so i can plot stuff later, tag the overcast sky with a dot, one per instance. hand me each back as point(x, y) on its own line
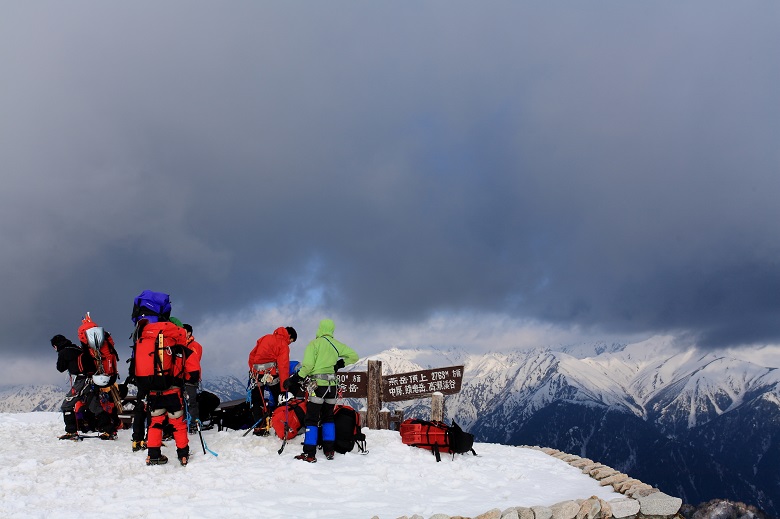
point(489, 175)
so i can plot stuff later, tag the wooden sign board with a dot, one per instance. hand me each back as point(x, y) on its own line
point(419, 384)
point(353, 384)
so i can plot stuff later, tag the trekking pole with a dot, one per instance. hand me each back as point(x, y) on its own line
point(252, 427)
point(200, 435)
point(202, 441)
point(197, 421)
point(265, 411)
point(286, 424)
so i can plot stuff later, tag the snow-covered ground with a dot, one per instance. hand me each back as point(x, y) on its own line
point(43, 477)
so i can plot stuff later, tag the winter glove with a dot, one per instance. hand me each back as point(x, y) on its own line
point(193, 377)
point(340, 364)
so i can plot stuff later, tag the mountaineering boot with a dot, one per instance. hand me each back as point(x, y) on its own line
point(329, 455)
point(183, 454)
point(162, 460)
point(260, 431)
point(70, 436)
point(107, 436)
point(139, 446)
point(306, 457)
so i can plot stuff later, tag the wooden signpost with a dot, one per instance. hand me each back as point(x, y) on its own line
point(393, 388)
point(419, 384)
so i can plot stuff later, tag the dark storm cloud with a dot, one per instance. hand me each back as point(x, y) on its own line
point(611, 166)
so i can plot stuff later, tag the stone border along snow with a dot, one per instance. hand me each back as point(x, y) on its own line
point(642, 500)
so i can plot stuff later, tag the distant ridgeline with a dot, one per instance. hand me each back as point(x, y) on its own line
point(693, 424)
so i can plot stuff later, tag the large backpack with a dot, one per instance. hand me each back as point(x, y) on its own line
point(152, 306)
point(100, 346)
point(348, 430)
point(234, 414)
point(159, 356)
point(437, 437)
point(207, 403)
point(288, 419)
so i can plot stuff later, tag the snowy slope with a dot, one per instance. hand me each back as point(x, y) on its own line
point(47, 478)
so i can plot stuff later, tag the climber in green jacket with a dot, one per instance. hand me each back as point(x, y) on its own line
point(323, 357)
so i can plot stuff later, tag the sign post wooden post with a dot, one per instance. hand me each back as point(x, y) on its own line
point(377, 389)
point(437, 407)
point(374, 393)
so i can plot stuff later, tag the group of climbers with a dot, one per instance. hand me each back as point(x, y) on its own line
point(166, 369)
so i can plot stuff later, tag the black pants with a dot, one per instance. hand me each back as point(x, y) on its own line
point(139, 418)
point(257, 400)
point(318, 414)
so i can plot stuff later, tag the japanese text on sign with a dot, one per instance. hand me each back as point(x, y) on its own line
point(353, 384)
point(418, 384)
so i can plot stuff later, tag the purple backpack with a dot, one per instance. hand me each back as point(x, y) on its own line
point(153, 306)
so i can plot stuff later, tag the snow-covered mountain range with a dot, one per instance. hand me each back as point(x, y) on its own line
point(697, 424)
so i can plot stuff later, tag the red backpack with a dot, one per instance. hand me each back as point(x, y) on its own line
point(288, 419)
point(160, 355)
point(100, 345)
point(437, 437)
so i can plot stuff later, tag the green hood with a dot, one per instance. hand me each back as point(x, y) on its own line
point(326, 328)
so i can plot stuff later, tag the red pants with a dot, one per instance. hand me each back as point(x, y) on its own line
point(168, 404)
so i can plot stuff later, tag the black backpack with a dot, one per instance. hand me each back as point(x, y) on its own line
point(348, 430)
point(207, 403)
point(235, 415)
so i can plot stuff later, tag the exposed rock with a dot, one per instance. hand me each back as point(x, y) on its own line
point(642, 490)
point(565, 510)
point(606, 509)
point(601, 472)
point(541, 512)
point(613, 479)
point(581, 463)
point(624, 507)
point(589, 509)
point(490, 514)
point(525, 513)
point(510, 513)
point(623, 486)
point(722, 509)
point(587, 468)
point(659, 503)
